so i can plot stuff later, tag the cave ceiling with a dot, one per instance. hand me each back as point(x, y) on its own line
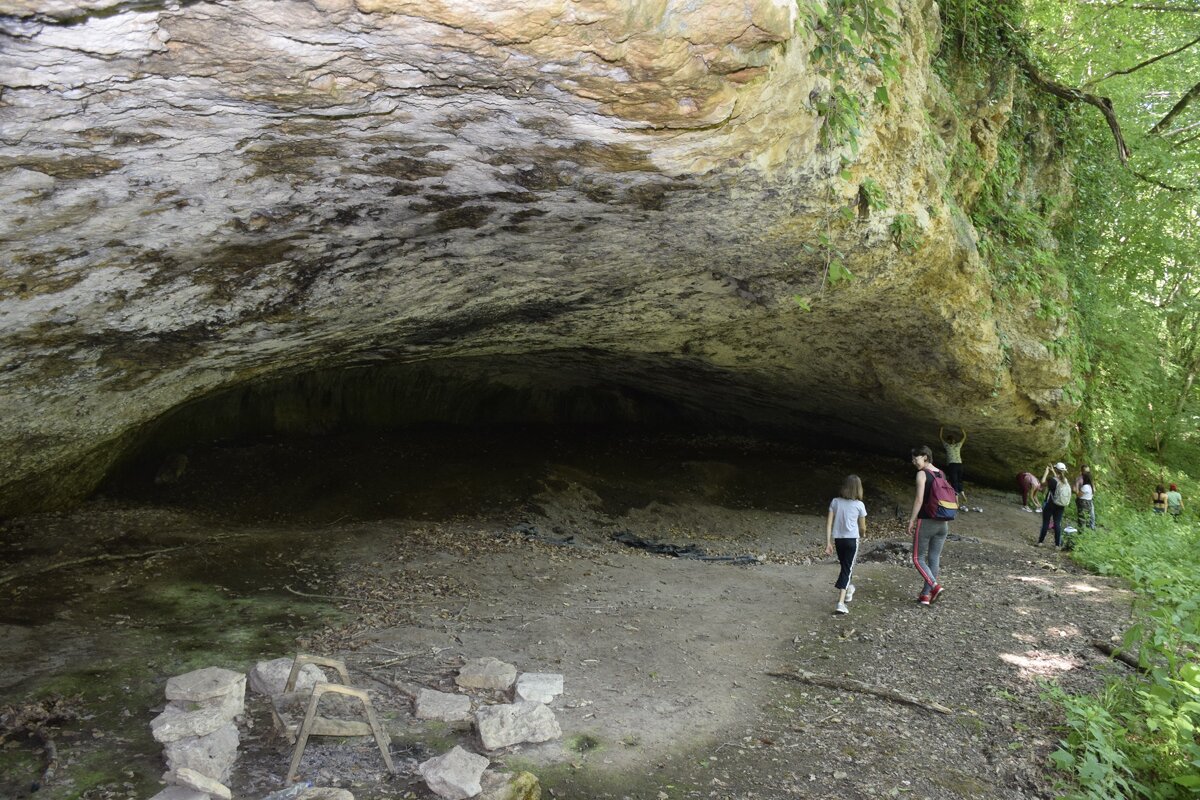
point(620, 196)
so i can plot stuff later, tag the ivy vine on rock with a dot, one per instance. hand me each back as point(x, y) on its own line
point(855, 39)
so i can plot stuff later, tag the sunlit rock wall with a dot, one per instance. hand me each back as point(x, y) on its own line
point(203, 194)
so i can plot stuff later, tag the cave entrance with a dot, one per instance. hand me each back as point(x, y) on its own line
point(487, 438)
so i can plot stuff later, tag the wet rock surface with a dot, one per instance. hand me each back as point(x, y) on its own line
point(313, 211)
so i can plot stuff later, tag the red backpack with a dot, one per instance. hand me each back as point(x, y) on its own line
point(941, 501)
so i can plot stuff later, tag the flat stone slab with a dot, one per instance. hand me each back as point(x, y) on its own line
point(540, 687)
point(513, 723)
point(190, 779)
point(430, 704)
point(486, 673)
point(455, 775)
point(206, 684)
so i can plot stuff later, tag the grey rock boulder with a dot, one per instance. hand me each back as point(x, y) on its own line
point(455, 775)
point(513, 723)
point(540, 687)
point(430, 704)
point(486, 673)
point(213, 754)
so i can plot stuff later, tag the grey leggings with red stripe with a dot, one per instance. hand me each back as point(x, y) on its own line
point(928, 538)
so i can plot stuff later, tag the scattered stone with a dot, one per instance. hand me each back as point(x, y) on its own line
point(486, 673)
point(504, 725)
point(270, 677)
point(506, 786)
point(430, 704)
point(455, 775)
point(212, 755)
point(540, 687)
point(190, 779)
point(180, 793)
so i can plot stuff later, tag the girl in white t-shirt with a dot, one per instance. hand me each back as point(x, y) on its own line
point(1085, 510)
point(847, 521)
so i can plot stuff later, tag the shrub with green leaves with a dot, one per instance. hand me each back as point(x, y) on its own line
point(1139, 738)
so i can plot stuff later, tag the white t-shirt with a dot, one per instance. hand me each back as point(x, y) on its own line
point(845, 517)
point(1085, 491)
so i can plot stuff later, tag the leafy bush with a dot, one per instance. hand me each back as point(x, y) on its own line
point(1138, 738)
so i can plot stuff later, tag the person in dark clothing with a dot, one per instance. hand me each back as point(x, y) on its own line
point(1058, 495)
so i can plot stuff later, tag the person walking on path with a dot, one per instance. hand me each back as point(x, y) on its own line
point(954, 463)
point(1058, 495)
point(1174, 502)
point(1084, 495)
point(1030, 486)
point(845, 525)
point(929, 534)
point(1159, 499)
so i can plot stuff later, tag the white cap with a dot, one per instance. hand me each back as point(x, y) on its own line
point(1061, 467)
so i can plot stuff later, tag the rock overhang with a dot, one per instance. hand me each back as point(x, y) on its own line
point(627, 198)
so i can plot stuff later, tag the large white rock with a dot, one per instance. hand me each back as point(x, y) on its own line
point(270, 677)
point(540, 687)
point(486, 673)
point(190, 779)
point(212, 755)
point(527, 721)
point(455, 775)
point(430, 704)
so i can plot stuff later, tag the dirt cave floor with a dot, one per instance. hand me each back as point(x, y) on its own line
point(408, 555)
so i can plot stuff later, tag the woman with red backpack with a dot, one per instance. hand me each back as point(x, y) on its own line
point(934, 505)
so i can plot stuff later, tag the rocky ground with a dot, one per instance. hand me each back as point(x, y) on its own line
point(727, 676)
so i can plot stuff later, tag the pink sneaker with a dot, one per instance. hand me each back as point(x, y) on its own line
point(923, 599)
point(937, 591)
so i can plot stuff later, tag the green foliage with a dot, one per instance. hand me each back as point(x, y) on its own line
point(980, 32)
point(1138, 738)
point(871, 195)
point(1131, 243)
point(854, 38)
point(905, 234)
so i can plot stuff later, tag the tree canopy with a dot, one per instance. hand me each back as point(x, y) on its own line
point(1133, 241)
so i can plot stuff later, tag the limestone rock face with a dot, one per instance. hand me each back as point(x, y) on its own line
point(615, 197)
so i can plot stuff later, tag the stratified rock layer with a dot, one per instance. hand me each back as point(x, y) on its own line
point(620, 198)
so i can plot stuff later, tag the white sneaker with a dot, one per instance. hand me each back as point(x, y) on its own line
point(849, 593)
point(841, 609)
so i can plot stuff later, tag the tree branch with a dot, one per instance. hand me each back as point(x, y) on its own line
point(1074, 95)
point(1147, 62)
point(1153, 181)
point(1147, 7)
point(851, 685)
point(1188, 97)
